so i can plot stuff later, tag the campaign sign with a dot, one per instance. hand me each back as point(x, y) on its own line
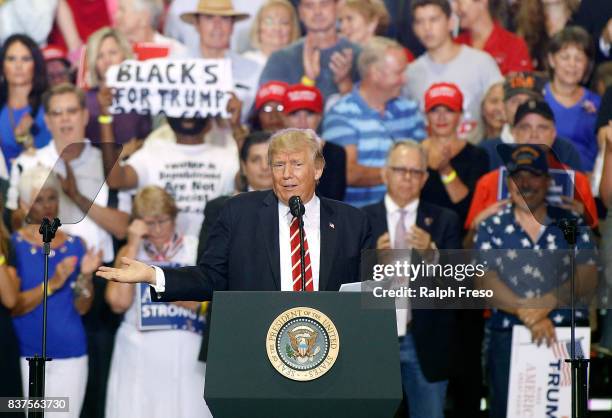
point(540, 378)
point(165, 316)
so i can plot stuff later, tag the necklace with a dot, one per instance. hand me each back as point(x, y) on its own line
point(25, 140)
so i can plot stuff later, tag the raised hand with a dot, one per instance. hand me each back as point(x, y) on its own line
point(63, 270)
point(137, 230)
point(105, 99)
point(311, 57)
point(340, 64)
point(91, 261)
point(132, 271)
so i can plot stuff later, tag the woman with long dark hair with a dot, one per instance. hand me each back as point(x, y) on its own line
point(23, 80)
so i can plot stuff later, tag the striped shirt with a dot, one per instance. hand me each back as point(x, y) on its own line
point(352, 122)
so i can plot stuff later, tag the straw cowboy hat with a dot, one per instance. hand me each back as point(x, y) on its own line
point(215, 8)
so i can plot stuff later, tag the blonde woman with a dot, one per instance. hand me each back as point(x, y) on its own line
point(107, 47)
point(155, 370)
point(275, 26)
point(360, 20)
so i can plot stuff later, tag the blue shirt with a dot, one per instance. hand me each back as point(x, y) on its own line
point(10, 148)
point(65, 333)
point(577, 123)
point(531, 269)
point(352, 122)
point(287, 65)
point(563, 149)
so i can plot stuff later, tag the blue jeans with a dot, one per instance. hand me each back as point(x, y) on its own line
point(425, 399)
point(498, 366)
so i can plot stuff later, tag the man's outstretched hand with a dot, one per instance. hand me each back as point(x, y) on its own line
point(131, 271)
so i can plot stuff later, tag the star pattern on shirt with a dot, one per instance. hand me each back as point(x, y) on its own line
point(509, 229)
point(511, 254)
point(525, 243)
point(558, 318)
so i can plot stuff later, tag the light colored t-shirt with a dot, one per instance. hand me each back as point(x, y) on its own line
point(192, 174)
point(473, 71)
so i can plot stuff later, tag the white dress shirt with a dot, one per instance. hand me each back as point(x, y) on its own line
point(312, 227)
point(403, 314)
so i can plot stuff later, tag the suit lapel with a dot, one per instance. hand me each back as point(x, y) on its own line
point(328, 243)
point(267, 228)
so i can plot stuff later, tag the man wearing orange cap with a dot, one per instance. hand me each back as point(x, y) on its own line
point(303, 109)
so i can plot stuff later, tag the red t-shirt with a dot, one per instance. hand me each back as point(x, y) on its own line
point(509, 50)
point(89, 16)
point(486, 194)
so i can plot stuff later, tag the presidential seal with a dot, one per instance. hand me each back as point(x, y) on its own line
point(302, 344)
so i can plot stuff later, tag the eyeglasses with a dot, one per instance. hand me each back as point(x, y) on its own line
point(269, 108)
point(159, 223)
point(411, 172)
point(71, 111)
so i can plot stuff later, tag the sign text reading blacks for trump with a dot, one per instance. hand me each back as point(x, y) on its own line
point(176, 88)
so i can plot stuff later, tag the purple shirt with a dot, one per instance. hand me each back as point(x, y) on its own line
point(125, 126)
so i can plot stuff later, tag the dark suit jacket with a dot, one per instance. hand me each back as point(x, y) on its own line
point(243, 253)
point(432, 329)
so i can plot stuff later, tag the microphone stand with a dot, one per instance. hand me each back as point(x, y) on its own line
point(297, 209)
point(302, 252)
point(580, 366)
point(36, 382)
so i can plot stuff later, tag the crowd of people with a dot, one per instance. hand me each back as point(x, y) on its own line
point(421, 110)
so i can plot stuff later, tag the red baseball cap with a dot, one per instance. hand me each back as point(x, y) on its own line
point(444, 94)
point(54, 52)
point(301, 97)
point(270, 91)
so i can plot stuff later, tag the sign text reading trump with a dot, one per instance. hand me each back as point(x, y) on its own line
point(176, 88)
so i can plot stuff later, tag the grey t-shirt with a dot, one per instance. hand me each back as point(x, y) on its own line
point(287, 65)
point(473, 71)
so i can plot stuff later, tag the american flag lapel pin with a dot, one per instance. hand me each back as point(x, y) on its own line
point(332, 226)
point(428, 221)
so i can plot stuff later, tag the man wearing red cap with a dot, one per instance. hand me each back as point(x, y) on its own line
point(58, 66)
point(268, 114)
point(303, 107)
point(371, 118)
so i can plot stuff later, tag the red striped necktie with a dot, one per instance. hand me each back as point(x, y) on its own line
point(296, 270)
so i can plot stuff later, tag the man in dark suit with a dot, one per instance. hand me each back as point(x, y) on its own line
point(402, 221)
point(250, 247)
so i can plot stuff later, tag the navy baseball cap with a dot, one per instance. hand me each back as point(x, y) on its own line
point(525, 157)
point(539, 107)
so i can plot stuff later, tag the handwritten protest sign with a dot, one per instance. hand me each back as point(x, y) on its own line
point(176, 88)
point(540, 379)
